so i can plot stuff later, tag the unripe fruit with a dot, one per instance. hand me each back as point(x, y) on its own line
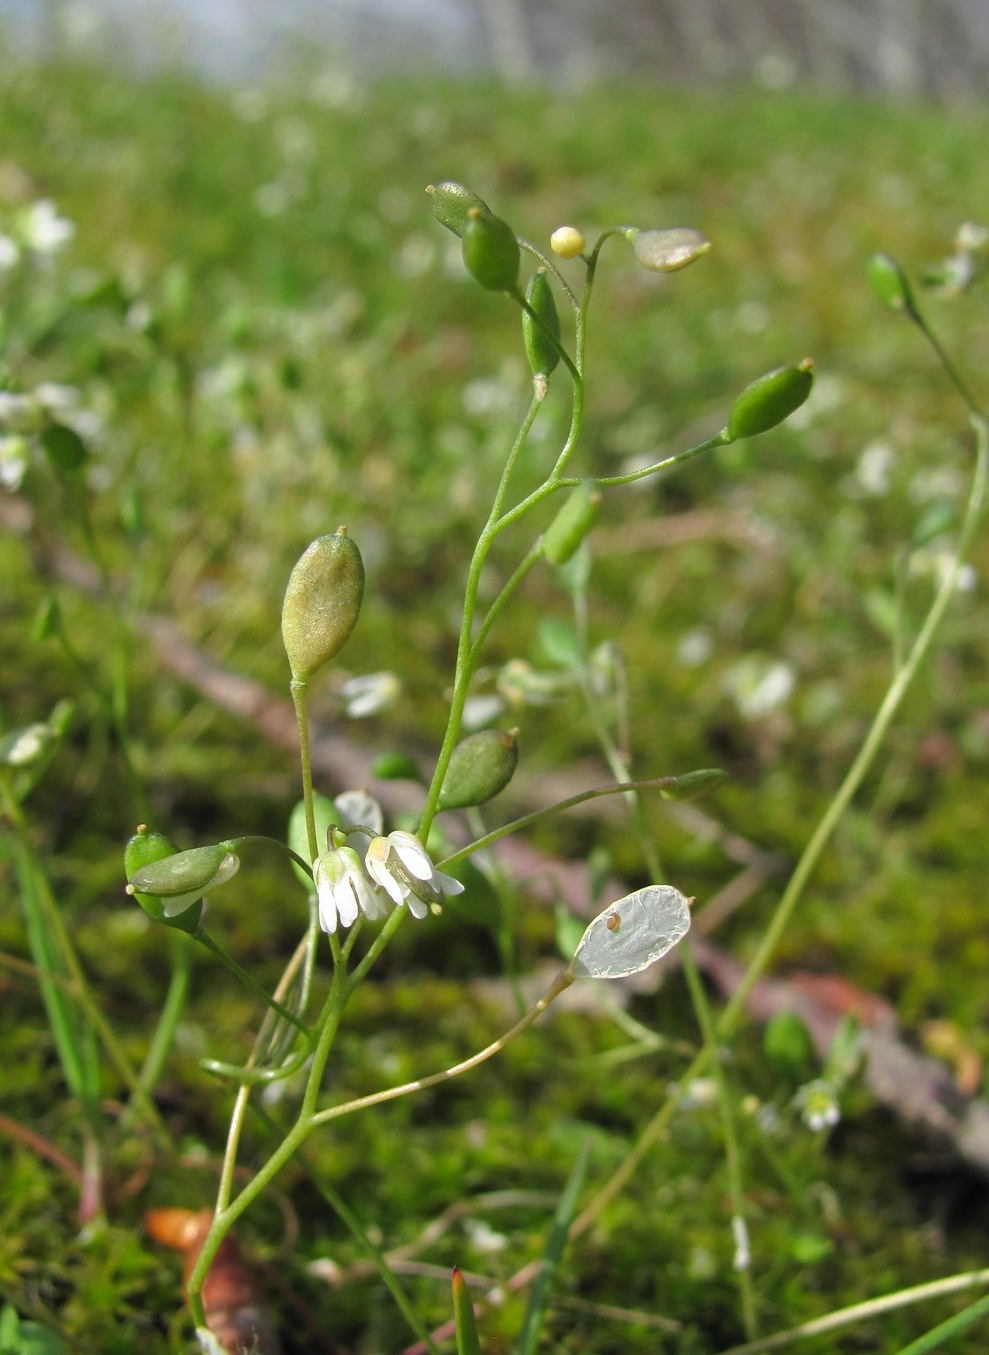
point(572, 523)
point(491, 251)
point(889, 282)
point(322, 602)
point(769, 400)
point(542, 353)
point(481, 766)
point(143, 850)
point(452, 203)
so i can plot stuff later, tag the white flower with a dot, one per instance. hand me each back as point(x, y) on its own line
point(343, 890)
point(369, 693)
point(817, 1102)
point(43, 229)
point(9, 253)
point(400, 865)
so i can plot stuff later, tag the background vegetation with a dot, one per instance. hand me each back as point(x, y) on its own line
point(268, 335)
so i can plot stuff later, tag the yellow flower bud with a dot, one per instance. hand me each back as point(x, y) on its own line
point(567, 241)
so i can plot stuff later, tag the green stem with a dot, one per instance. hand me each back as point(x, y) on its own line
point(818, 840)
point(203, 937)
point(527, 820)
point(562, 981)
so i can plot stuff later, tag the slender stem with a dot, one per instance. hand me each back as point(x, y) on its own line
point(857, 1312)
point(562, 981)
point(818, 840)
point(527, 820)
point(300, 702)
point(203, 937)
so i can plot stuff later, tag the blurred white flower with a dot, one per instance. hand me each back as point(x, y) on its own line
point(9, 253)
point(818, 1105)
point(759, 685)
point(400, 865)
point(13, 462)
point(367, 694)
point(43, 230)
point(480, 711)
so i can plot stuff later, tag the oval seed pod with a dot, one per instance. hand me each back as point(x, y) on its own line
point(542, 353)
point(322, 602)
point(632, 933)
point(481, 766)
point(178, 881)
point(692, 784)
point(144, 849)
point(491, 251)
point(452, 203)
point(667, 251)
point(572, 523)
point(769, 400)
point(889, 282)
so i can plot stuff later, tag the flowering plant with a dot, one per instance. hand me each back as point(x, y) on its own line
point(358, 874)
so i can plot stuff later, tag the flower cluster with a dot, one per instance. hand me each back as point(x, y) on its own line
point(393, 870)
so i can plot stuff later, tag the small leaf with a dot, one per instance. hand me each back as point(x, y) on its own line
point(468, 1342)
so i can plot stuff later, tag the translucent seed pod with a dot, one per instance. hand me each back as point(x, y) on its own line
point(452, 203)
point(572, 523)
point(769, 400)
point(542, 353)
point(632, 934)
point(322, 602)
point(481, 766)
point(667, 251)
point(491, 251)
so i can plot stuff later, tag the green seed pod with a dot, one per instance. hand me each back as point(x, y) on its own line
point(481, 766)
point(572, 523)
point(322, 602)
point(542, 353)
point(63, 446)
point(769, 400)
point(144, 849)
point(491, 251)
point(452, 203)
point(667, 251)
point(177, 881)
point(395, 767)
point(692, 784)
point(889, 283)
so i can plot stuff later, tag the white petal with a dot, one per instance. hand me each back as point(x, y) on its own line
point(416, 906)
point(345, 897)
point(446, 883)
point(327, 905)
point(412, 854)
